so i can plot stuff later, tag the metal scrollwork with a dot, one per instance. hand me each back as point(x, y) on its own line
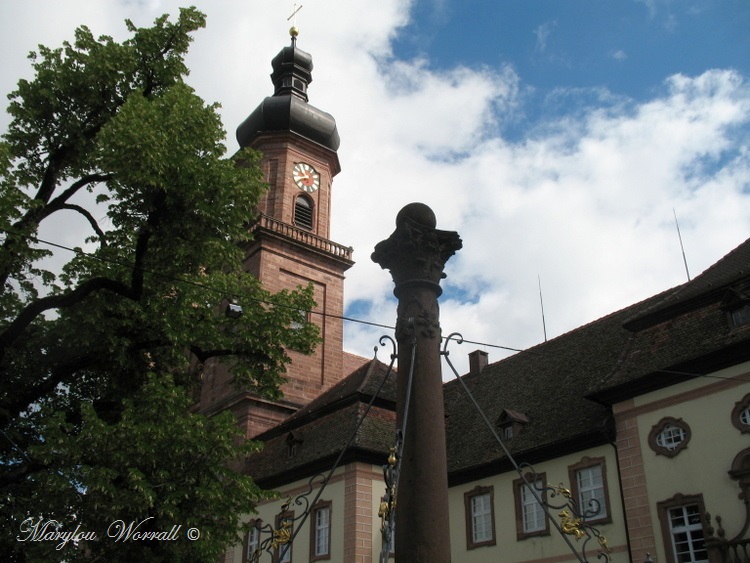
point(392, 470)
point(387, 509)
point(279, 539)
point(282, 536)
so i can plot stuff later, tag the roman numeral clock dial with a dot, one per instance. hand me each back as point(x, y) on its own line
point(305, 177)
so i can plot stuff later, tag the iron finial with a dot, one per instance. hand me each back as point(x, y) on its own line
point(294, 30)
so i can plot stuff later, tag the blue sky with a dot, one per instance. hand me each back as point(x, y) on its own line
point(566, 52)
point(557, 137)
point(626, 46)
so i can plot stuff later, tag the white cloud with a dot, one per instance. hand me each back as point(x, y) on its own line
point(542, 33)
point(584, 200)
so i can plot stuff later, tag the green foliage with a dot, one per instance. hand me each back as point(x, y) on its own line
point(100, 357)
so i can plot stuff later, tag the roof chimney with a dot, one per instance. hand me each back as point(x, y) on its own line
point(478, 360)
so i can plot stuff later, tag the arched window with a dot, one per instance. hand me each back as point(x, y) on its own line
point(303, 212)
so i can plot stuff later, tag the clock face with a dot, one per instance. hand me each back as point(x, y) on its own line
point(305, 177)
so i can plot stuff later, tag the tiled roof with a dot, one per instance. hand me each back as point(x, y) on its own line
point(548, 384)
point(564, 386)
point(324, 427)
point(702, 289)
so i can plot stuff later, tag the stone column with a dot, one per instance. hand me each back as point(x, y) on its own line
point(416, 254)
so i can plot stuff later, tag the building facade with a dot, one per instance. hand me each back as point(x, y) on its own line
point(642, 417)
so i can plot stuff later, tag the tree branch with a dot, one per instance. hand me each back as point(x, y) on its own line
point(34, 216)
point(19, 473)
point(36, 308)
point(204, 355)
point(85, 212)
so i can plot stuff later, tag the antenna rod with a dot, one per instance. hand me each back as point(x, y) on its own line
point(684, 259)
point(541, 302)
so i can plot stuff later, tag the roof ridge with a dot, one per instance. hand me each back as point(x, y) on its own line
point(697, 290)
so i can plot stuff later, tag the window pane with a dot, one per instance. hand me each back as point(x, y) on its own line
point(481, 518)
point(285, 550)
point(253, 539)
point(670, 437)
point(322, 527)
point(687, 534)
point(591, 491)
point(533, 514)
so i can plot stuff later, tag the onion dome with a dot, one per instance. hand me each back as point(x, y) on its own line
point(288, 109)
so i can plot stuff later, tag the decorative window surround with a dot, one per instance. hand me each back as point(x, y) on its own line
point(479, 505)
point(682, 528)
point(669, 437)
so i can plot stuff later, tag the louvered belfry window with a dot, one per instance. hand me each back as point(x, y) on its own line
point(303, 213)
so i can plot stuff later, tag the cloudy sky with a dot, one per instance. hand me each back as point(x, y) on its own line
point(558, 138)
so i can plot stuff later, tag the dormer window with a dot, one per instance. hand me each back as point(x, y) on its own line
point(736, 303)
point(741, 315)
point(511, 423)
point(293, 443)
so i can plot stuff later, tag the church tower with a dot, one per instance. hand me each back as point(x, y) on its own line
point(291, 245)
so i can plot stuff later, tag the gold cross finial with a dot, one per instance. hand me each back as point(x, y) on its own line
point(294, 31)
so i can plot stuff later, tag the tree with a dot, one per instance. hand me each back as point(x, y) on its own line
point(98, 358)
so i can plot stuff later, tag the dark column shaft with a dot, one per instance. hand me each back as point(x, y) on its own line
point(415, 254)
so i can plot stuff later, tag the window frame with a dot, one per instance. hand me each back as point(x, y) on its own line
point(288, 515)
point(246, 557)
point(739, 316)
point(518, 496)
point(573, 470)
point(657, 429)
point(677, 501)
point(476, 492)
point(319, 507)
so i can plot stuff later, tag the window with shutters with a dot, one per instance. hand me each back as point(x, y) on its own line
point(303, 212)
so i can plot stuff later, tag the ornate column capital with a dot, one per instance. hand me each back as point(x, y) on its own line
point(416, 252)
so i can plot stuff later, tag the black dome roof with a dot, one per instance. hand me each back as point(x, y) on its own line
point(287, 109)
